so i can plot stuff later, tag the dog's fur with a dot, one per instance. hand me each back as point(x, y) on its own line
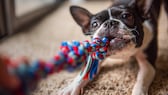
point(132, 28)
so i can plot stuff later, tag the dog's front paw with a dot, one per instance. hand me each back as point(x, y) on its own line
point(72, 89)
point(139, 91)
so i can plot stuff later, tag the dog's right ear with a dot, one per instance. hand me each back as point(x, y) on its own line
point(82, 17)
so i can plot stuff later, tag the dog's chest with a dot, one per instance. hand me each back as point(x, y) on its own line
point(130, 50)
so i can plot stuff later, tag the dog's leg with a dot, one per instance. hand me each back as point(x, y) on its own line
point(76, 87)
point(145, 75)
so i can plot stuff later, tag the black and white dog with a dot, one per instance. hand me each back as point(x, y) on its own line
point(132, 25)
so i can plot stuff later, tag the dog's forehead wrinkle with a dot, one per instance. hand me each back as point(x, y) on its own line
point(101, 16)
point(110, 15)
point(119, 9)
point(102, 13)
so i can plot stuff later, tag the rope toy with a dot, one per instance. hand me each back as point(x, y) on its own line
point(71, 56)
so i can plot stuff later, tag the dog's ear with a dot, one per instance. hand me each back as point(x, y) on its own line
point(143, 6)
point(82, 17)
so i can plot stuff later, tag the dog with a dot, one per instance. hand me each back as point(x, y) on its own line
point(132, 28)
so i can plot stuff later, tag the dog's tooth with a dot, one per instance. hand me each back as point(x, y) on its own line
point(127, 37)
point(112, 41)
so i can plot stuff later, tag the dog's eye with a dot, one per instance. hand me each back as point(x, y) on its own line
point(95, 24)
point(127, 16)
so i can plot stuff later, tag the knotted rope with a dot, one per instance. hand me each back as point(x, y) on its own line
point(71, 56)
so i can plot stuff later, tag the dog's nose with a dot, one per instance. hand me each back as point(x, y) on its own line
point(110, 23)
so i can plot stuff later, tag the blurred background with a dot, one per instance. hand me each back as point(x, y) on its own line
point(35, 28)
point(16, 14)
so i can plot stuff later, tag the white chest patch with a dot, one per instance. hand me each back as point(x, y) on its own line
point(148, 35)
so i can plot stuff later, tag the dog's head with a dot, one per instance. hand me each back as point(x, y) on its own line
point(121, 23)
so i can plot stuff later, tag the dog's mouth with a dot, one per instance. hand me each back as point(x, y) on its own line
point(119, 42)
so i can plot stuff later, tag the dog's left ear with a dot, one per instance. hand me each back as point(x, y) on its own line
point(82, 18)
point(144, 6)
